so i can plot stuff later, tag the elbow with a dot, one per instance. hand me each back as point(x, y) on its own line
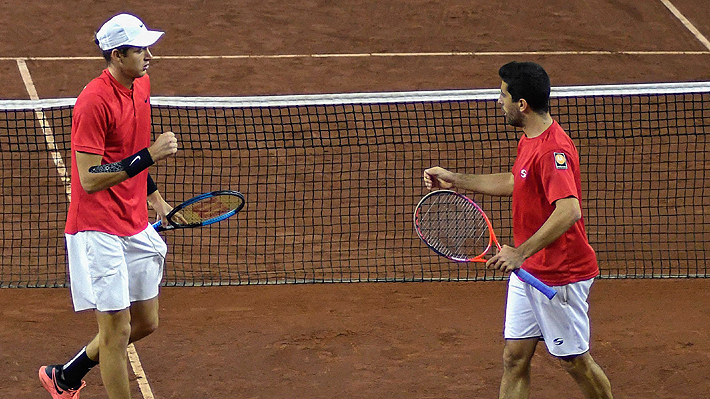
point(90, 187)
point(574, 214)
point(569, 210)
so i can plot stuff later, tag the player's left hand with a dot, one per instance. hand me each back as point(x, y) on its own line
point(162, 208)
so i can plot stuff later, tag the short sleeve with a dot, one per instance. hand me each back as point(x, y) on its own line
point(557, 175)
point(91, 122)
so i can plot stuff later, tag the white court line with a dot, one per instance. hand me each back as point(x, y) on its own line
point(46, 129)
point(687, 23)
point(141, 378)
point(64, 176)
point(383, 55)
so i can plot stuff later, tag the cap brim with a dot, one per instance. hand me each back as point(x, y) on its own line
point(145, 39)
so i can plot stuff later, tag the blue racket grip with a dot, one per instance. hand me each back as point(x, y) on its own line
point(537, 284)
point(158, 226)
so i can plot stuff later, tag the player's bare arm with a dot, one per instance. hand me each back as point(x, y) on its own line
point(498, 184)
point(162, 208)
point(95, 177)
point(159, 205)
point(567, 212)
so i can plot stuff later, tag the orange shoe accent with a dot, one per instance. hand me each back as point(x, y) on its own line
point(50, 384)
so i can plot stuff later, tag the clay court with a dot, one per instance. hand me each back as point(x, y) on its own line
point(363, 340)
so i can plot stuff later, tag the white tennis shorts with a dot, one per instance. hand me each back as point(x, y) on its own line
point(108, 272)
point(562, 322)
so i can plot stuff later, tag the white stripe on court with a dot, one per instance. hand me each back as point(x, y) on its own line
point(46, 129)
point(64, 176)
point(386, 55)
point(141, 378)
point(687, 23)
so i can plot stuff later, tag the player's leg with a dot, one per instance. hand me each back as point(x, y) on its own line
point(144, 318)
point(522, 334)
point(145, 255)
point(68, 377)
point(99, 280)
point(566, 326)
point(114, 333)
point(588, 375)
point(517, 355)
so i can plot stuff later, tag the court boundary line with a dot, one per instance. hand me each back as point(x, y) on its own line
point(386, 55)
point(48, 134)
point(46, 127)
point(689, 25)
point(141, 377)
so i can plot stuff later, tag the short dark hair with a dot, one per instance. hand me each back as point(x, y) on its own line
point(107, 53)
point(529, 81)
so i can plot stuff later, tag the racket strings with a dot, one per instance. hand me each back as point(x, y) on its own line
point(210, 208)
point(454, 226)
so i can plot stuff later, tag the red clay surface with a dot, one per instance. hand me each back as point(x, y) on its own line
point(414, 340)
point(368, 340)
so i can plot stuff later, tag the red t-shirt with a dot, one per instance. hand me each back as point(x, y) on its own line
point(546, 170)
point(114, 122)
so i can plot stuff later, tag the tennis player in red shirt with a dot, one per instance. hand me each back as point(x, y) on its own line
point(549, 237)
point(115, 256)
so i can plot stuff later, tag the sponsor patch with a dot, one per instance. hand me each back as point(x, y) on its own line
point(560, 160)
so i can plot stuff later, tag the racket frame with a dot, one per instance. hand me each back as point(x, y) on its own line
point(492, 240)
point(173, 225)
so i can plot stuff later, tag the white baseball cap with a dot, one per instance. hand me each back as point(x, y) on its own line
point(125, 30)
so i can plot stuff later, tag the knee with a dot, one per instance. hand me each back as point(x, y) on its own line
point(575, 365)
point(514, 360)
point(115, 335)
point(143, 329)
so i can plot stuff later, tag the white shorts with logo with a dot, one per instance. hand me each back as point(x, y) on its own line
point(108, 272)
point(562, 322)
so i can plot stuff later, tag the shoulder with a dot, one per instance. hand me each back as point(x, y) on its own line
point(90, 100)
point(95, 99)
point(558, 139)
point(99, 89)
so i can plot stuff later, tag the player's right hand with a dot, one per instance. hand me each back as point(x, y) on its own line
point(438, 177)
point(165, 145)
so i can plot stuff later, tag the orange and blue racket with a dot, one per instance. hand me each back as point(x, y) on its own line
point(455, 227)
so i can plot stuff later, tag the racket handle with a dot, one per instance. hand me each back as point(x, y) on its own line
point(158, 226)
point(537, 284)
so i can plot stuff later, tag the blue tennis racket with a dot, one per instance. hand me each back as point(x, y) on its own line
point(203, 210)
point(455, 227)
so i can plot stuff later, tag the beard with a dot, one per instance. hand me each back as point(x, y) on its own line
point(514, 118)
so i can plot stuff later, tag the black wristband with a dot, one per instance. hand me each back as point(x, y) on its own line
point(137, 162)
point(152, 187)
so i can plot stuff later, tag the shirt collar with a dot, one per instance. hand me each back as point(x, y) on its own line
point(116, 83)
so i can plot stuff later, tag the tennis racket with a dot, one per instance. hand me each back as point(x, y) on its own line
point(456, 228)
point(203, 210)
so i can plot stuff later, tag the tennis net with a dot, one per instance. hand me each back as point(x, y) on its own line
point(331, 181)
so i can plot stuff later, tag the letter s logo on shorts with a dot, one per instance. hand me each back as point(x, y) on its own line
point(558, 341)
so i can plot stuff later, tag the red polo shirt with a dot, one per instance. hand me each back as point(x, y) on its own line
point(114, 122)
point(546, 170)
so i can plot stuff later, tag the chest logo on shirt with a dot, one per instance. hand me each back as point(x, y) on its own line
point(523, 173)
point(560, 160)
